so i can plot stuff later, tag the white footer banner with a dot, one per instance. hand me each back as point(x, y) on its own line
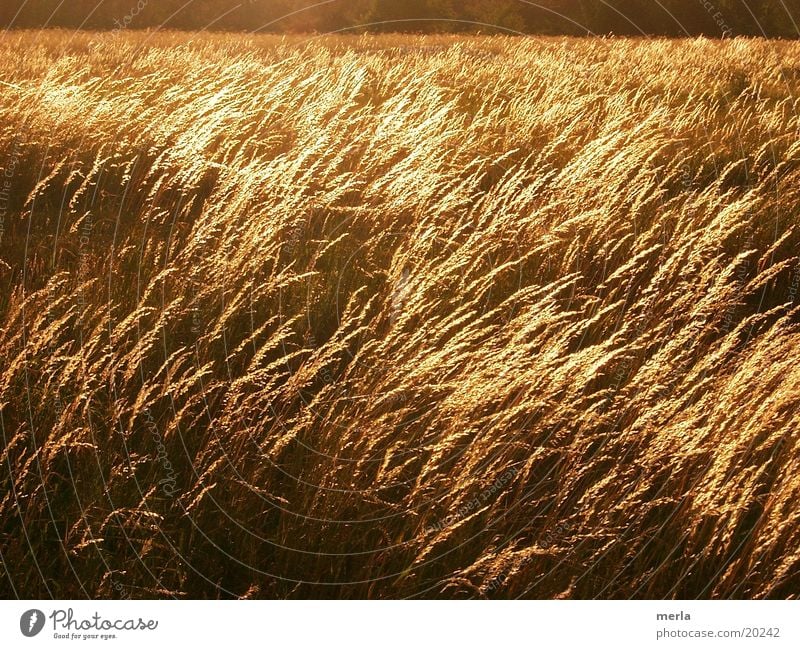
point(367, 625)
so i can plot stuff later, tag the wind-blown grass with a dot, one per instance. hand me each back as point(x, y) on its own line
point(398, 317)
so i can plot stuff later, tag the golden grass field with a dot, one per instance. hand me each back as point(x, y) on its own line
point(384, 316)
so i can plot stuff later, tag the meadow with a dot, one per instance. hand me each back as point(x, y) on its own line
point(398, 316)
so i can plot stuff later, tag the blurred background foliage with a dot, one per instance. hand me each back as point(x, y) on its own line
point(775, 18)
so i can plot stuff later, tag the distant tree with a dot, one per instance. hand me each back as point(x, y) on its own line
point(505, 14)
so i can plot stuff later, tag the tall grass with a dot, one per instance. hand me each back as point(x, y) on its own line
point(398, 317)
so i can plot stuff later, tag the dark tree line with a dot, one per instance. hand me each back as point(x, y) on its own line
point(656, 17)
